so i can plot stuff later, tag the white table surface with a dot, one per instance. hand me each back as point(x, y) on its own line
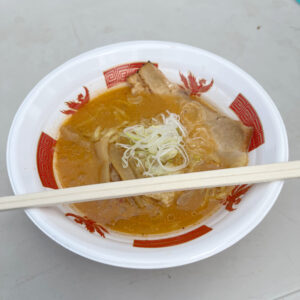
point(262, 37)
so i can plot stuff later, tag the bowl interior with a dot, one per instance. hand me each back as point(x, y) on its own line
point(234, 92)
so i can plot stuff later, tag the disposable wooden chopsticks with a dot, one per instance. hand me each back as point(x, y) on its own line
point(188, 181)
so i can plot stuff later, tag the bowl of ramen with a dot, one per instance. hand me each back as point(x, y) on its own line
point(142, 109)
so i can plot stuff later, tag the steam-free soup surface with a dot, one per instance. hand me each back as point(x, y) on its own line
point(77, 163)
point(151, 127)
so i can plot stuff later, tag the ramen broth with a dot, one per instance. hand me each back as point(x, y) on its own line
point(77, 161)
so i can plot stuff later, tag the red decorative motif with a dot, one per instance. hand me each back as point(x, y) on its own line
point(247, 114)
point(90, 225)
point(236, 196)
point(44, 159)
point(77, 104)
point(172, 241)
point(190, 83)
point(120, 73)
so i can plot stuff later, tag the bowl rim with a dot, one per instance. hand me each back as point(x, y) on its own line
point(277, 186)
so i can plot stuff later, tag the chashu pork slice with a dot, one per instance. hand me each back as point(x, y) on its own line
point(149, 79)
point(232, 137)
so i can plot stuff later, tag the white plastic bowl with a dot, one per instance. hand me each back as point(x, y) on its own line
point(41, 112)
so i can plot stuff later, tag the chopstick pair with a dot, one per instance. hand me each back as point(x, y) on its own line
point(188, 181)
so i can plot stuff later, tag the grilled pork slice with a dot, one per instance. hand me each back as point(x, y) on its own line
point(232, 137)
point(150, 79)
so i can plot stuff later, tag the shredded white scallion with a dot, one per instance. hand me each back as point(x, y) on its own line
point(153, 147)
